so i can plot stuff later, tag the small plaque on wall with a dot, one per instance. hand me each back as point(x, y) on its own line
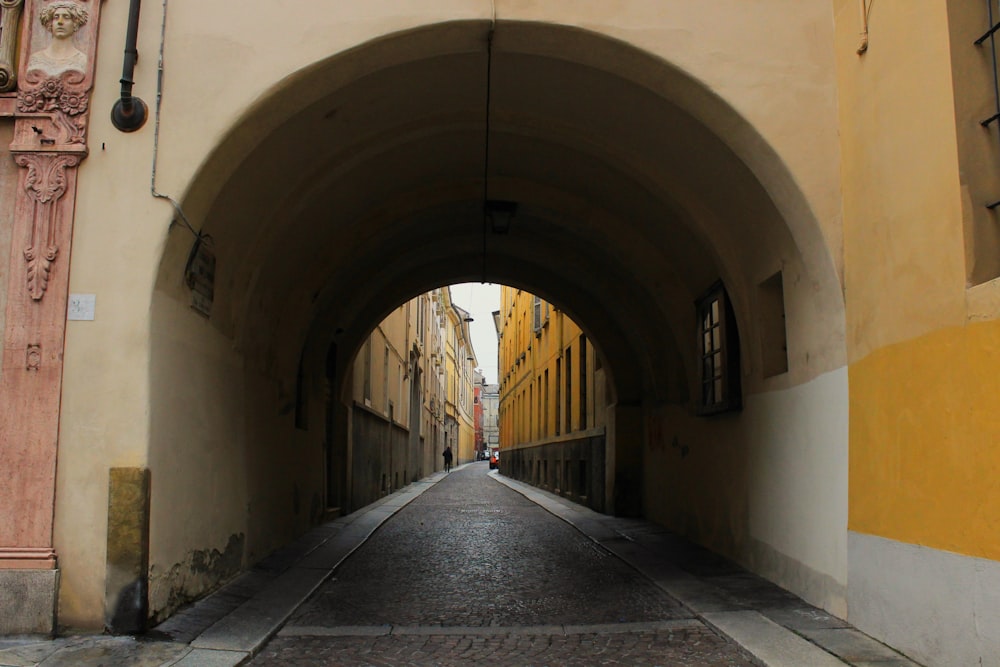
point(81, 307)
point(201, 278)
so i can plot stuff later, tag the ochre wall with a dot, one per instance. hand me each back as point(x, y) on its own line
point(923, 339)
point(527, 413)
point(924, 428)
point(919, 406)
point(904, 251)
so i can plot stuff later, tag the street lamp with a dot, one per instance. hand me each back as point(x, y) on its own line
point(499, 213)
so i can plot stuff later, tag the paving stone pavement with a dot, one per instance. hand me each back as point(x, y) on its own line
point(472, 572)
point(599, 610)
point(691, 645)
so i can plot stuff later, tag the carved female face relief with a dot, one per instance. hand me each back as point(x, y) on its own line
point(62, 24)
point(70, 14)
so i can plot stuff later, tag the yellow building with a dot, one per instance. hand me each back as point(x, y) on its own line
point(552, 400)
point(774, 220)
point(461, 364)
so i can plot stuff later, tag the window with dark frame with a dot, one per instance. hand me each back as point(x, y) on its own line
point(558, 403)
point(545, 409)
point(583, 381)
point(367, 389)
point(531, 416)
point(541, 414)
point(976, 77)
point(569, 387)
point(720, 353)
point(385, 379)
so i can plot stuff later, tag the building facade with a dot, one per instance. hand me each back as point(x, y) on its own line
point(491, 417)
point(399, 427)
point(552, 384)
point(460, 362)
point(784, 252)
point(477, 412)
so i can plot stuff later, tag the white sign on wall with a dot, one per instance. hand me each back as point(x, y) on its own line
point(81, 306)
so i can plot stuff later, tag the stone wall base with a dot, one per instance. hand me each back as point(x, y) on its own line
point(28, 601)
point(937, 607)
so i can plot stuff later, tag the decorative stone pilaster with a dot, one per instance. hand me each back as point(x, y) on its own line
point(10, 21)
point(53, 89)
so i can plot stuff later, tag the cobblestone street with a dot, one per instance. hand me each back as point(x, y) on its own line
point(473, 573)
point(467, 568)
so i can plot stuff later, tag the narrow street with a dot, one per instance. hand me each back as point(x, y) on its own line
point(473, 568)
point(471, 572)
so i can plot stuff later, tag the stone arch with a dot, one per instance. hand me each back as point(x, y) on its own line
point(357, 182)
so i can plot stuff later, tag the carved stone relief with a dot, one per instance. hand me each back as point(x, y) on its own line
point(65, 98)
point(34, 357)
point(62, 19)
point(56, 80)
point(10, 20)
point(55, 77)
point(50, 132)
point(44, 185)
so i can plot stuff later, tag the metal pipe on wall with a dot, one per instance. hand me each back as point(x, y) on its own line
point(129, 113)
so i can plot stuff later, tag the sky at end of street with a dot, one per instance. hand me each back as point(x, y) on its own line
point(481, 299)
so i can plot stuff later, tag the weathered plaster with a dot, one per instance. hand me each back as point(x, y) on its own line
point(201, 571)
point(126, 603)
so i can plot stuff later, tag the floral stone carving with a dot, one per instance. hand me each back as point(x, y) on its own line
point(45, 183)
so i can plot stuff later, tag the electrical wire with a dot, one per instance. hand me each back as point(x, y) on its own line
point(486, 142)
point(866, 10)
point(156, 137)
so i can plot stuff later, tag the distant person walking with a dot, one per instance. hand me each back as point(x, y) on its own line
point(447, 458)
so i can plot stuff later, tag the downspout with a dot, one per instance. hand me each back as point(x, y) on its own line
point(129, 113)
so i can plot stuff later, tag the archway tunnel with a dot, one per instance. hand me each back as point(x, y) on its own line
point(361, 182)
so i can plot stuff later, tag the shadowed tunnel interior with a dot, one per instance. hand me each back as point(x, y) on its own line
point(370, 189)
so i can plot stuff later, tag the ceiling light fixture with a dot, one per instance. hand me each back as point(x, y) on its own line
point(499, 214)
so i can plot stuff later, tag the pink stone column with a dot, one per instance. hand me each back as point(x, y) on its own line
point(58, 45)
point(31, 386)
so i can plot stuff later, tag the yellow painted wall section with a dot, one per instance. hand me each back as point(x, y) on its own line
point(535, 387)
point(903, 238)
point(925, 423)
